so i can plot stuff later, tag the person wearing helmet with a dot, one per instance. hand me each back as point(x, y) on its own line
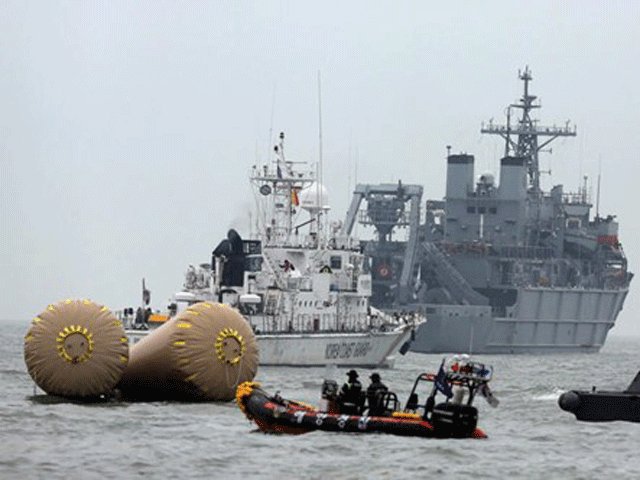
point(350, 396)
point(375, 392)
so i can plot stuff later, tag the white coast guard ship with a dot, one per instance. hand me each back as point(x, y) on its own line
point(304, 288)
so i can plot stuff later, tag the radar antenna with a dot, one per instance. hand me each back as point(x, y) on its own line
point(527, 131)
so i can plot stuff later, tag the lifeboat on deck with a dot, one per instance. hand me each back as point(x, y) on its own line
point(452, 418)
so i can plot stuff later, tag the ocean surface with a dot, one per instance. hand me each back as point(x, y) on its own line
point(529, 436)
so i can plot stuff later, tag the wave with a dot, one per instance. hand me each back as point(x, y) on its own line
point(547, 397)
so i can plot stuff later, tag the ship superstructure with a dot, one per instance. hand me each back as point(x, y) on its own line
point(303, 287)
point(505, 266)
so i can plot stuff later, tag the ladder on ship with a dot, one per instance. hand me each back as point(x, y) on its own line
point(409, 263)
point(449, 277)
point(277, 275)
point(272, 302)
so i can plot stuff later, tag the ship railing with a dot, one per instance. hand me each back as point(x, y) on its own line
point(124, 317)
point(576, 198)
point(509, 251)
point(285, 323)
point(386, 218)
point(527, 129)
point(517, 251)
point(499, 311)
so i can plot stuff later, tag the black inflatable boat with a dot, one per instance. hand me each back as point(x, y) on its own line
point(604, 406)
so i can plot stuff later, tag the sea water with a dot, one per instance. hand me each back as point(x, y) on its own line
point(529, 436)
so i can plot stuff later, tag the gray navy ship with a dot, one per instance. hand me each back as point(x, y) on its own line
point(497, 267)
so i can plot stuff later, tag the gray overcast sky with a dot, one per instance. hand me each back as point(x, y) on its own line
point(127, 129)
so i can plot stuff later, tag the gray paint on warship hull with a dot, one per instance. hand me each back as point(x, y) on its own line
point(543, 320)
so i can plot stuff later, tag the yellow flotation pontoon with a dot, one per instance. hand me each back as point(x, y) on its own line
point(76, 349)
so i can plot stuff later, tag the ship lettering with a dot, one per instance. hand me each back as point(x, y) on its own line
point(347, 350)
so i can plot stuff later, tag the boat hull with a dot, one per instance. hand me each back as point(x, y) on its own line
point(543, 320)
point(371, 349)
point(366, 349)
point(276, 415)
point(602, 406)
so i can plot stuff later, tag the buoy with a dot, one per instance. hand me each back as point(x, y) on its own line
point(203, 353)
point(76, 349)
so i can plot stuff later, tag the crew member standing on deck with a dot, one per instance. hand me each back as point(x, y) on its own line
point(350, 398)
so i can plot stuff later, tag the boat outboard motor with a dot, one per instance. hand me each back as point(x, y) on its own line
point(329, 389)
point(329, 393)
point(451, 420)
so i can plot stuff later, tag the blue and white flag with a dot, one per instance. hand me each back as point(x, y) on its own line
point(441, 382)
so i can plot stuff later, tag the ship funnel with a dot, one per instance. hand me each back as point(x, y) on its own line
point(204, 353)
point(513, 178)
point(459, 175)
point(76, 349)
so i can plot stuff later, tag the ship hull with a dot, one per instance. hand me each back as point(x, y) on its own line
point(543, 320)
point(366, 350)
point(347, 350)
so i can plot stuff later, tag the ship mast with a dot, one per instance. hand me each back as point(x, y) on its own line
point(527, 131)
point(279, 183)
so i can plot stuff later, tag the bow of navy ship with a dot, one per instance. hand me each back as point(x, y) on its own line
point(498, 267)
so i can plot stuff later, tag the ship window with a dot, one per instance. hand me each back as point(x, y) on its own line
point(482, 209)
point(471, 209)
point(573, 223)
point(493, 210)
point(253, 264)
point(336, 262)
